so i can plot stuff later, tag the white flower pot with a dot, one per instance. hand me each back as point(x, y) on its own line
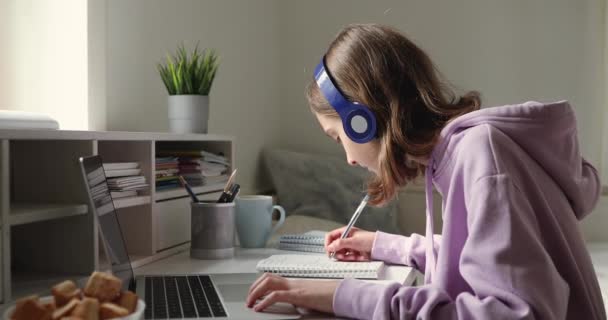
point(188, 113)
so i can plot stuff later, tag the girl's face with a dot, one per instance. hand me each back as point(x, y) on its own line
point(364, 155)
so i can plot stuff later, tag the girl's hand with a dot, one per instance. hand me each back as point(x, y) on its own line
point(356, 247)
point(315, 295)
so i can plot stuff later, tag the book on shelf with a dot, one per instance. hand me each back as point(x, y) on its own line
point(197, 167)
point(120, 165)
point(122, 173)
point(319, 266)
point(123, 194)
point(124, 178)
point(202, 154)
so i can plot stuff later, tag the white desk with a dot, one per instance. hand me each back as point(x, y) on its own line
point(244, 261)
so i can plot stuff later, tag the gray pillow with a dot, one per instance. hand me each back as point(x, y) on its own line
point(325, 187)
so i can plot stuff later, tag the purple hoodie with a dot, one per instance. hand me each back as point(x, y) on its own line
point(514, 186)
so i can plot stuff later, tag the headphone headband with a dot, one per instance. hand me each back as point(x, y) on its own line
point(358, 120)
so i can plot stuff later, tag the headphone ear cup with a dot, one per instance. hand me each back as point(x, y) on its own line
point(359, 124)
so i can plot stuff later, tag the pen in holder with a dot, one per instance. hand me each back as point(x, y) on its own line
point(226, 194)
point(190, 192)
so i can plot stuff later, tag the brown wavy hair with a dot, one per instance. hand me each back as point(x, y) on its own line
point(380, 67)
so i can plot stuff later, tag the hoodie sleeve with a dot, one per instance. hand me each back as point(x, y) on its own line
point(589, 189)
point(398, 249)
point(503, 261)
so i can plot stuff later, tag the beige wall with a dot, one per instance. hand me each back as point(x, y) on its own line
point(511, 51)
point(44, 59)
point(244, 97)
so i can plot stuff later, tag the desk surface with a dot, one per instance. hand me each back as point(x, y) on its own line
point(244, 261)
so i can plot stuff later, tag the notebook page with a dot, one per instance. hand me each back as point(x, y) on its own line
point(319, 266)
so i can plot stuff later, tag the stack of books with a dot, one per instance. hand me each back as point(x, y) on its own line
point(198, 167)
point(124, 179)
point(167, 171)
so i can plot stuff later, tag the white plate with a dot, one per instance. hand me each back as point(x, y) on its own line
point(137, 315)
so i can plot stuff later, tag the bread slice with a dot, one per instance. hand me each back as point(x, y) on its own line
point(87, 309)
point(30, 308)
point(103, 286)
point(109, 310)
point(66, 310)
point(128, 300)
point(64, 292)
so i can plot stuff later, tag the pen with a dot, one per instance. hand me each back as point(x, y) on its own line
point(352, 221)
point(185, 184)
point(226, 193)
point(234, 192)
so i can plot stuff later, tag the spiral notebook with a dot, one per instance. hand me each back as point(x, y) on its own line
point(319, 266)
point(311, 241)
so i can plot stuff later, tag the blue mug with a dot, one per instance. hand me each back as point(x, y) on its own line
point(254, 220)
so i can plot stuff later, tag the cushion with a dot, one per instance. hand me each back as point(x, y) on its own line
point(325, 187)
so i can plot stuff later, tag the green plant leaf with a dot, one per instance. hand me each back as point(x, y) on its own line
point(185, 73)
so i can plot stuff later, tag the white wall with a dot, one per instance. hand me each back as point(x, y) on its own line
point(511, 51)
point(5, 84)
point(44, 44)
point(244, 97)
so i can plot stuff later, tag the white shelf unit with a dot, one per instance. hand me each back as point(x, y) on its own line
point(23, 213)
point(48, 231)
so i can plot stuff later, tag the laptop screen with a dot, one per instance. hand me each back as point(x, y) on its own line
point(109, 226)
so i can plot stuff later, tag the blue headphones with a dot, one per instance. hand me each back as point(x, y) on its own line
point(357, 119)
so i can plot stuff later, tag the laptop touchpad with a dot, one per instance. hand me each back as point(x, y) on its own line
point(234, 292)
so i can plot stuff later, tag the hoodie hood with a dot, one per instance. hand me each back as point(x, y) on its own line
point(548, 133)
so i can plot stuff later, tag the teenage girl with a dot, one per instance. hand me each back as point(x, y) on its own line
point(513, 182)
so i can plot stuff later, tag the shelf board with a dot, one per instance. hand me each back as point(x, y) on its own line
point(22, 213)
point(27, 283)
point(181, 192)
point(131, 201)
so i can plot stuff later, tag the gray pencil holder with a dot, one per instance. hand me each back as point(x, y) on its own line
point(212, 230)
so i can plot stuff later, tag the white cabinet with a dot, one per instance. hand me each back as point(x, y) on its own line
point(47, 230)
point(173, 222)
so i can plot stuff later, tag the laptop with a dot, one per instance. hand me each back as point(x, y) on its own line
point(170, 296)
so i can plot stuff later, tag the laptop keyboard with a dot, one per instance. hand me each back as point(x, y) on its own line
point(177, 297)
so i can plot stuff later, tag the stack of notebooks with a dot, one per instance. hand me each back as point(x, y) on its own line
point(198, 167)
point(124, 179)
point(319, 266)
point(167, 170)
point(311, 241)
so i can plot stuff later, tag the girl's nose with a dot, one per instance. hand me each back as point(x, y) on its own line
point(352, 162)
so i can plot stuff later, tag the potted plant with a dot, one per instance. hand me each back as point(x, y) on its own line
point(188, 79)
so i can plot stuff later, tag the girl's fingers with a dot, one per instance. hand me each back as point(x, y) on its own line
point(333, 235)
point(257, 282)
point(274, 297)
point(363, 257)
point(337, 234)
point(268, 284)
point(351, 256)
point(346, 243)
